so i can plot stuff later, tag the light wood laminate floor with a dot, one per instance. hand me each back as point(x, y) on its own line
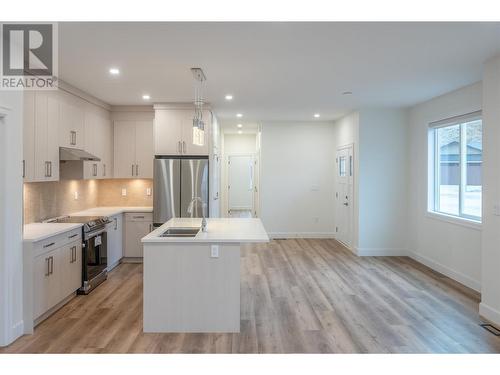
point(297, 296)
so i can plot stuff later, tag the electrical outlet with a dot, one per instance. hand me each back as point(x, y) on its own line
point(214, 251)
point(148, 192)
point(124, 192)
point(76, 195)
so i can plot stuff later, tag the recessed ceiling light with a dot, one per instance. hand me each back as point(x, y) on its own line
point(239, 126)
point(316, 115)
point(347, 93)
point(114, 71)
point(240, 131)
point(239, 115)
point(146, 97)
point(229, 97)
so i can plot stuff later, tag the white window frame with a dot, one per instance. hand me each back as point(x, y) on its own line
point(433, 167)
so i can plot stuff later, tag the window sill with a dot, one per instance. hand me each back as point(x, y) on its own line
point(473, 224)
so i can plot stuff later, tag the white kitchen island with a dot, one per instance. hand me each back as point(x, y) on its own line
point(192, 284)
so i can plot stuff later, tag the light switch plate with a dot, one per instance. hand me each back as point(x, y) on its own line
point(214, 251)
point(76, 195)
point(148, 192)
point(124, 192)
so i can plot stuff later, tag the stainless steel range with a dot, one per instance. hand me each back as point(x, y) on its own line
point(95, 255)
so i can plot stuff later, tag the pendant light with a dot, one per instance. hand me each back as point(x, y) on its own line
point(199, 100)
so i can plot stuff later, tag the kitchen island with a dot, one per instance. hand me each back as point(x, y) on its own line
point(192, 283)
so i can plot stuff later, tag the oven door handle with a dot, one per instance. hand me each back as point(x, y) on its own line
point(94, 234)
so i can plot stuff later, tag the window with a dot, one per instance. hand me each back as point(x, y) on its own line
point(456, 161)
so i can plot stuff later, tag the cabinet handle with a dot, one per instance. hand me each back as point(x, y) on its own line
point(50, 169)
point(49, 245)
point(48, 266)
point(73, 236)
point(184, 147)
point(137, 169)
point(132, 169)
point(116, 223)
point(104, 170)
point(73, 138)
point(150, 228)
point(51, 262)
point(94, 170)
point(138, 217)
point(46, 169)
point(179, 147)
point(24, 168)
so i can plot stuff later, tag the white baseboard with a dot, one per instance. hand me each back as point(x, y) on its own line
point(289, 235)
point(379, 252)
point(489, 313)
point(455, 275)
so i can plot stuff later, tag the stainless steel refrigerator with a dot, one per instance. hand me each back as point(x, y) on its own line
point(178, 182)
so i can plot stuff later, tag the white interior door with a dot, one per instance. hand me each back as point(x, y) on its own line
point(240, 182)
point(343, 195)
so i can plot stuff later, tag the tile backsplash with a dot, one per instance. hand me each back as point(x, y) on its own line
point(43, 200)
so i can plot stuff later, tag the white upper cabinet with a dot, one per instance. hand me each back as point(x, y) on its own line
point(29, 136)
point(173, 132)
point(41, 131)
point(133, 149)
point(72, 122)
point(98, 142)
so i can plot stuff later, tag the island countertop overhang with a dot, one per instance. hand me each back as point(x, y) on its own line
point(219, 230)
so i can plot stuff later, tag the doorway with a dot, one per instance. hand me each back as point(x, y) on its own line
point(240, 171)
point(343, 195)
point(241, 185)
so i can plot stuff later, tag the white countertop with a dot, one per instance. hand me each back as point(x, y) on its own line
point(35, 232)
point(110, 211)
point(235, 230)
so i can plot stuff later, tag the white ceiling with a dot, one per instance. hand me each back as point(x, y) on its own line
point(276, 71)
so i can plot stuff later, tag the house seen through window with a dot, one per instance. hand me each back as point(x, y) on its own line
point(456, 163)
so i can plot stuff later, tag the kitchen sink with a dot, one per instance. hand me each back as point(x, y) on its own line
point(180, 232)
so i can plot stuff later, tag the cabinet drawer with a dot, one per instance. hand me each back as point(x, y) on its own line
point(139, 216)
point(55, 242)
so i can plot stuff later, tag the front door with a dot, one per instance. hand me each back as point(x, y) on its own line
point(343, 195)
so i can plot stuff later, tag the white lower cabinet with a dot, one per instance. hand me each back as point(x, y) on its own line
point(115, 241)
point(56, 275)
point(52, 273)
point(136, 226)
point(46, 280)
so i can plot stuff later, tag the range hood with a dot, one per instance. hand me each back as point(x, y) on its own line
point(74, 154)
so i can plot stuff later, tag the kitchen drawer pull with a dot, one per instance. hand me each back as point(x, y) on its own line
point(104, 170)
point(51, 263)
point(73, 236)
point(138, 217)
point(24, 168)
point(116, 223)
point(49, 245)
point(132, 169)
point(73, 138)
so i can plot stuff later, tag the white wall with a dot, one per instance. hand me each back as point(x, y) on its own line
point(240, 144)
point(490, 278)
point(379, 139)
point(382, 182)
point(449, 248)
point(297, 177)
point(11, 220)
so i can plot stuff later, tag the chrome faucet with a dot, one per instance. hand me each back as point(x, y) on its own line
point(190, 211)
